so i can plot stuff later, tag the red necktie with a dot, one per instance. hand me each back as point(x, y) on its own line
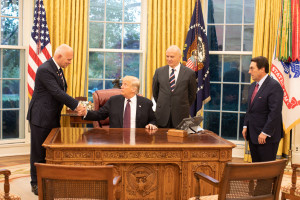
point(254, 92)
point(126, 118)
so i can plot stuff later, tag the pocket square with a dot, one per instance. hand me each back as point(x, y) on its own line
point(140, 106)
point(259, 97)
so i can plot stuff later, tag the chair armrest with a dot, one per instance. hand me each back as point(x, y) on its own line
point(6, 174)
point(206, 178)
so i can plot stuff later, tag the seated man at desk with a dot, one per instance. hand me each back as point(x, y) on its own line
point(127, 110)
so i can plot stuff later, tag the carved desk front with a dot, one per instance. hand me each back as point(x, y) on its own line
point(153, 166)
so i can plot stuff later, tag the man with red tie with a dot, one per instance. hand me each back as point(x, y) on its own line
point(127, 110)
point(263, 121)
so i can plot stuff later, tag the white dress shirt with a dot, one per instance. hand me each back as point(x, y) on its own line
point(176, 72)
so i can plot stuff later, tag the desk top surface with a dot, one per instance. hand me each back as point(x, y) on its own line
point(131, 138)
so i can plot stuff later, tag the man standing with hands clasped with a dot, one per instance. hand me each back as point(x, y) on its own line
point(263, 121)
point(46, 104)
point(174, 90)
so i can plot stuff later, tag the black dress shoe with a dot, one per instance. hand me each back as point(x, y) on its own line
point(34, 189)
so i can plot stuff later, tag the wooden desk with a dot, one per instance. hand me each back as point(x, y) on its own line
point(152, 165)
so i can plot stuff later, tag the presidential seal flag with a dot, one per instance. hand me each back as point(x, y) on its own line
point(286, 62)
point(40, 49)
point(196, 57)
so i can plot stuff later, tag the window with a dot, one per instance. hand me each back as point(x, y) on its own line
point(11, 71)
point(115, 40)
point(230, 25)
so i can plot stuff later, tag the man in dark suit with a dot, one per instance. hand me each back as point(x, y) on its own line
point(174, 90)
point(46, 104)
point(263, 121)
point(140, 108)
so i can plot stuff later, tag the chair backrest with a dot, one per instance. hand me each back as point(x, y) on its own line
point(74, 182)
point(261, 180)
point(100, 97)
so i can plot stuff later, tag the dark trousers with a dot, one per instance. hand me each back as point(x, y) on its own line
point(37, 152)
point(169, 124)
point(263, 152)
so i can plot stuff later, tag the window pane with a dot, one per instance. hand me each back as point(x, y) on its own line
point(231, 68)
point(246, 60)
point(249, 11)
point(109, 84)
point(113, 63)
point(212, 121)
point(248, 38)
point(131, 64)
point(214, 103)
point(132, 36)
point(93, 86)
point(113, 36)
point(96, 31)
point(114, 10)
point(215, 37)
point(233, 38)
point(229, 125)
point(242, 117)
point(10, 93)
point(9, 31)
point(10, 8)
point(97, 10)
point(230, 97)
point(132, 10)
point(244, 97)
point(215, 66)
point(10, 124)
point(215, 11)
point(11, 63)
point(96, 63)
point(234, 11)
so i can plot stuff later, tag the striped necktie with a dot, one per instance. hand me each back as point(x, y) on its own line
point(60, 73)
point(172, 80)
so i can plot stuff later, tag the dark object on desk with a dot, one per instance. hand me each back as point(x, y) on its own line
point(80, 182)
point(187, 123)
point(100, 97)
point(246, 181)
point(117, 83)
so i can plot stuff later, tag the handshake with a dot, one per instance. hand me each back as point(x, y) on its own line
point(81, 110)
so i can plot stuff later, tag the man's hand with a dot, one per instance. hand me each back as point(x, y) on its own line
point(244, 132)
point(151, 127)
point(262, 138)
point(81, 110)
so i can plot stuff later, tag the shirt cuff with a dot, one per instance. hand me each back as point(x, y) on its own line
point(265, 134)
point(244, 126)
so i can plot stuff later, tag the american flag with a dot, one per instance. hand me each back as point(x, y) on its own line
point(40, 49)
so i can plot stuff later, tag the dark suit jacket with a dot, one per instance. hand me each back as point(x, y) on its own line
point(114, 109)
point(48, 97)
point(176, 103)
point(264, 114)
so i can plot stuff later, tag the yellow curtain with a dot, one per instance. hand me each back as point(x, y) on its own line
point(267, 14)
point(168, 23)
point(67, 22)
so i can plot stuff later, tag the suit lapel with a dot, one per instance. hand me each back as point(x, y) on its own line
point(138, 109)
point(121, 107)
point(260, 91)
point(55, 70)
point(180, 75)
